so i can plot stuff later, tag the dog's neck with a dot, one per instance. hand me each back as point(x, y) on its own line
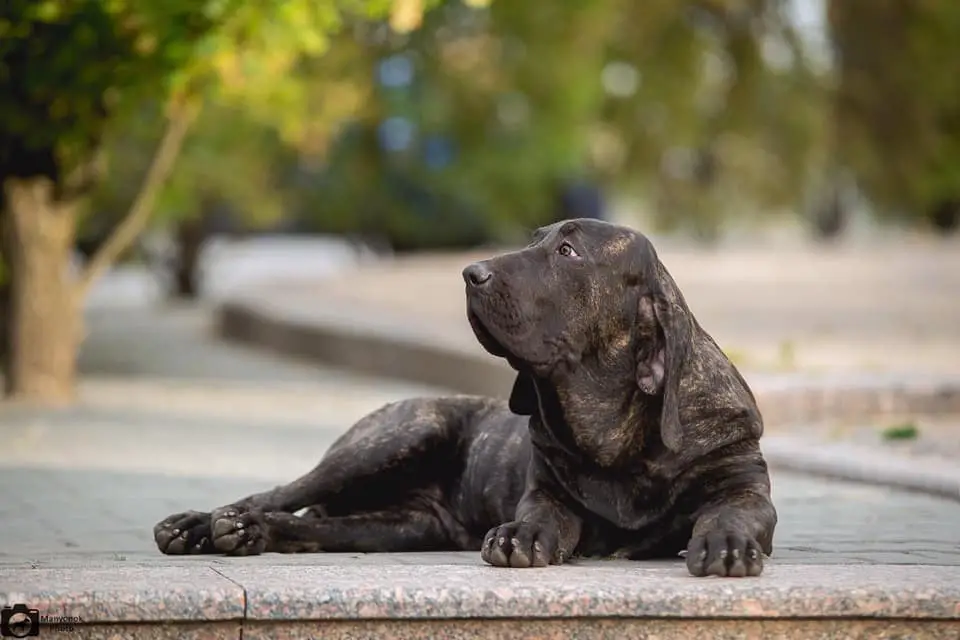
point(599, 414)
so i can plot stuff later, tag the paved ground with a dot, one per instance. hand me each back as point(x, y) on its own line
point(171, 419)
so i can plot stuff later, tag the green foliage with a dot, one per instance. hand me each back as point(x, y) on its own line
point(519, 88)
point(70, 66)
point(229, 159)
point(66, 64)
point(898, 100)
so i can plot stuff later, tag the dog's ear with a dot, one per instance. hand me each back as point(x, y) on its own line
point(662, 351)
point(523, 396)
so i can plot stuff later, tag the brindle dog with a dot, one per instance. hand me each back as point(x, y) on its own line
point(628, 433)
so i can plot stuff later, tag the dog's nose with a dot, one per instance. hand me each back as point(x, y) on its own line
point(477, 274)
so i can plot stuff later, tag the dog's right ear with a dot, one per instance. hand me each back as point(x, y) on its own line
point(661, 360)
point(523, 396)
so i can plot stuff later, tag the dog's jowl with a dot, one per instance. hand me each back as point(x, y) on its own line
point(628, 433)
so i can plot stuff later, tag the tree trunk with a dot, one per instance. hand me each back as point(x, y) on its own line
point(946, 216)
point(45, 315)
point(190, 240)
point(4, 323)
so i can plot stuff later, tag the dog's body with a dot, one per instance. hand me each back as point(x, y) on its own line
point(628, 433)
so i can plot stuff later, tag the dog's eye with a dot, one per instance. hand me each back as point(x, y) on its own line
point(566, 250)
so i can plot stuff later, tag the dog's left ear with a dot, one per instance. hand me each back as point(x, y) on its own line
point(661, 355)
point(523, 396)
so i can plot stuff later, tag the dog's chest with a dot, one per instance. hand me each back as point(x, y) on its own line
point(633, 502)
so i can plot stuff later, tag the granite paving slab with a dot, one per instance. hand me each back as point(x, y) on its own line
point(210, 630)
point(455, 586)
point(606, 629)
point(121, 593)
point(594, 589)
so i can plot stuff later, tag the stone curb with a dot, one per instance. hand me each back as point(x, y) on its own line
point(203, 592)
point(369, 346)
point(389, 347)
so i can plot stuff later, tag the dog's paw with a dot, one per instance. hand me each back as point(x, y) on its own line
point(724, 553)
point(238, 531)
point(184, 533)
point(520, 545)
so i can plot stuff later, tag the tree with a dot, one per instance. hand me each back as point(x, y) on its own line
point(70, 68)
point(530, 94)
point(897, 103)
point(225, 177)
point(725, 115)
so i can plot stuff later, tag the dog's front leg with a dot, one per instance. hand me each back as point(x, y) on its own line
point(732, 532)
point(544, 532)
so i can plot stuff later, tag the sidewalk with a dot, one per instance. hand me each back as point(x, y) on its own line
point(171, 419)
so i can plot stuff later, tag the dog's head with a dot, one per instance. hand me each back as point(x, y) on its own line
point(582, 296)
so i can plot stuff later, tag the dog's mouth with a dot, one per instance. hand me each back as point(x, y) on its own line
point(485, 337)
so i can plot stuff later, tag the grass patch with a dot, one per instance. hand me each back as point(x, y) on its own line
point(904, 431)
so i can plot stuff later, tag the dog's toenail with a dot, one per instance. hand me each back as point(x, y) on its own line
point(736, 554)
point(501, 540)
point(176, 532)
point(537, 547)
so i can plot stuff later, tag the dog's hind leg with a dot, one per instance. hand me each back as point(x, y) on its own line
point(418, 525)
point(374, 466)
point(376, 463)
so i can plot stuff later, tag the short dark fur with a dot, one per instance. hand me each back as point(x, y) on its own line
point(628, 433)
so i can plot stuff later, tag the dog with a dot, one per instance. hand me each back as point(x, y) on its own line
point(628, 433)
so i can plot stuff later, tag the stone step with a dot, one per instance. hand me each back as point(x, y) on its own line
point(387, 344)
point(453, 595)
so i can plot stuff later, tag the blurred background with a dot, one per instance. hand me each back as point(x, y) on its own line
point(478, 121)
point(147, 133)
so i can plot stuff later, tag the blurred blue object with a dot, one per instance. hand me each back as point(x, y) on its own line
point(581, 199)
point(397, 134)
point(396, 71)
point(438, 152)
